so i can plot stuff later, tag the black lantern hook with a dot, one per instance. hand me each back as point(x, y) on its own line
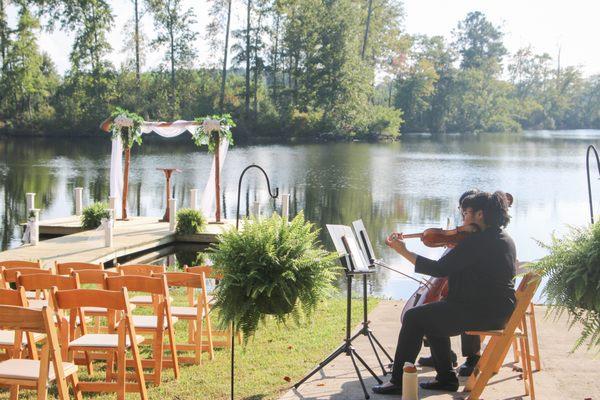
point(587, 167)
point(273, 195)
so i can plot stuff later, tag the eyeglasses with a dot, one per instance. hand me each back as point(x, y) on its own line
point(465, 212)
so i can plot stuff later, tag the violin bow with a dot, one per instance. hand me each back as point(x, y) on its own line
point(384, 265)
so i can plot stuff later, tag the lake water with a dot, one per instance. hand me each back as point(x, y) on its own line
point(403, 186)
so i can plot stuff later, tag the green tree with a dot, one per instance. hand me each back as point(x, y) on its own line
point(479, 43)
point(174, 32)
point(27, 77)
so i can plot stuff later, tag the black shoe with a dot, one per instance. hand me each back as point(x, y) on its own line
point(428, 361)
point(437, 385)
point(467, 368)
point(387, 389)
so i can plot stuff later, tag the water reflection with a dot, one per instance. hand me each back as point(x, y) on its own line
point(405, 186)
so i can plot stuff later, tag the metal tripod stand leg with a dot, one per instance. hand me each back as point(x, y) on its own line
point(322, 364)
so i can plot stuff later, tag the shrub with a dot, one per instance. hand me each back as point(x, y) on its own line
point(189, 222)
point(573, 277)
point(271, 267)
point(92, 215)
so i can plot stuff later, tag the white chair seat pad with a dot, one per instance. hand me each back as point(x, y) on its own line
point(30, 369)
point(145, 300)
point(149, 321)
point(101, 340)
point(183, 312)
point(7, 338)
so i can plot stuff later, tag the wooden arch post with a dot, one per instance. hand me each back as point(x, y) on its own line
point(217, 140)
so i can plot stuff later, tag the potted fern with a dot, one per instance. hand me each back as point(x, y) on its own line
point(271, 267)
point(573, 280)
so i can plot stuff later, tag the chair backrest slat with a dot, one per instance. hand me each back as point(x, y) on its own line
point(207, 269)
point(141, 269)
point(10, 275)
point(77, 298)
point(22, 318)
point(183, 279)
point(10, 297)
point(9, 264)
point(95, 277)
point(154, 285)
point(45, 281)
point(65, 268)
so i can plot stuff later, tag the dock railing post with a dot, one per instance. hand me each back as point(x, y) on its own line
point(285, 206)
point(78, 192)
point(34, 226)
point(30, 201)
point(108, 228)
point(172, 214)
point(193, 197)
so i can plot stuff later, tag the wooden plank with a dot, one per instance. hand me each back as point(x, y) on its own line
point(133, 236)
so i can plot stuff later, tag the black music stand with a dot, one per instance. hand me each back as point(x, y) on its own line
point(354, 264)
point(369, 257)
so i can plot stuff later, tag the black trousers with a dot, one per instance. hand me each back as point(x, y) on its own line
point(439, 321)
point(469, 344)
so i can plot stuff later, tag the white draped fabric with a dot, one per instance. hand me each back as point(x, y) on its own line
point(207, 201)
point(168, 130)
point(116, 174)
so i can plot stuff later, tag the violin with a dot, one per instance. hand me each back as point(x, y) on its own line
point(437, 237)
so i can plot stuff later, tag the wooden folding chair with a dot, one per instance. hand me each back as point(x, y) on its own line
point(94, 279)
point(10, 277)
point(221, 338)
point(155, 325)
point(66, 267)
point(125, 338)
point(44, 283)
point(194, 314)
point(141, 270)
point(36, 374)
point(9, 297)
point(501, 340)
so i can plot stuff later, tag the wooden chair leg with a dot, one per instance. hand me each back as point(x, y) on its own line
point(486, 373)
point(481, 364)
point(139, 371)
point(121, 372)
point(14, 392)
point(527, 362)
point(158, 353)
point(534, 338)
point(42, 382)
point(76, 389)
point(173, 348)
point(524, 373)
point(198, 341)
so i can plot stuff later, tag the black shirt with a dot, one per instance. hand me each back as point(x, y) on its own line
point(480, 270)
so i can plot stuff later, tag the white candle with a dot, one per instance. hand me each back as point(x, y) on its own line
point(193, 197)
point(285, 206)
point(30, 201)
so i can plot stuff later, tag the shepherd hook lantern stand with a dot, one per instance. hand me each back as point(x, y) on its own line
point(237, 224)
point(587, 168)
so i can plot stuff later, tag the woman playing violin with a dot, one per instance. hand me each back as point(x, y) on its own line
point(481, 296)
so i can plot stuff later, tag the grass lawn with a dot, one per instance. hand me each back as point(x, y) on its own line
point(275, 354)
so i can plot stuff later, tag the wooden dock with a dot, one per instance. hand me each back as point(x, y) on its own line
point(138, 234)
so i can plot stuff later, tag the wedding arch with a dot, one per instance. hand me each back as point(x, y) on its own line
point(206, 131)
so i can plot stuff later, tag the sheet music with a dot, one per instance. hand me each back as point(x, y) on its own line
point(341, 233)
point(363, 240)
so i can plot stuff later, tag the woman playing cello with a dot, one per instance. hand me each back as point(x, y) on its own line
point(480, 271)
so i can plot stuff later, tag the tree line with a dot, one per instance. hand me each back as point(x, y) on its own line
point(296, 69)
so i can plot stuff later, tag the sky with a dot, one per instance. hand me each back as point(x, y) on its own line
point(571, 26)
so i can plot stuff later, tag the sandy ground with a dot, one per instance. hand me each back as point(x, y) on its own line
point(564, 375)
